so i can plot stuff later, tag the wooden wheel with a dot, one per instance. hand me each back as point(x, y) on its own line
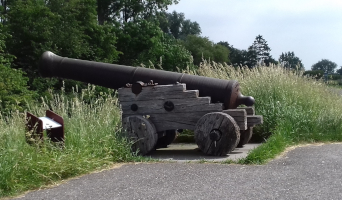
point(245, 136)
point(217, 134)
point(168, 138)
point(141, 132)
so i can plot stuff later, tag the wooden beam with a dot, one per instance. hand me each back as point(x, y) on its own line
point(177, 91)
point(249, 110)
point(180, 106)
point(254, 120)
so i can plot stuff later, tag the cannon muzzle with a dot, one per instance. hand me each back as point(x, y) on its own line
point(117, 76)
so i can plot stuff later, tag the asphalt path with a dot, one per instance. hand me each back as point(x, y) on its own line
point(180, 152)
point(310, 172)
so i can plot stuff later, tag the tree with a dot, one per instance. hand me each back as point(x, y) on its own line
point(252, 57)
point(143, 41)
point(318, 74)
point(220, 54)
point(175, 24)
point(325, 65)
point(202, 47)
point(139, 29)
point(190, 28)
point(169, 51)
point(259, 52)
point(65, 27)
point(128, 10)
point(290, 60)
point(13, 85)
point(135, 38)
point(339, 71)
point(4, 7)
point(237, 57)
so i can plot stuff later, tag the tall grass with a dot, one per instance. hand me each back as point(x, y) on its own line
point(92, 141)
point(296, 109)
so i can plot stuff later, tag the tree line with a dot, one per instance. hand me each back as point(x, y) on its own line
point(136, 33)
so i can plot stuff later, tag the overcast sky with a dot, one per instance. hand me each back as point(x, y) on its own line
point(312, 29)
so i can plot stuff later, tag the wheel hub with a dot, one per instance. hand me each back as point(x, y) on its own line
point(215, 135)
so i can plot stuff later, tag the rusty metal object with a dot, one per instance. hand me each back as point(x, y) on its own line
point(34, 126)
point(52, 123)
point(117, 76)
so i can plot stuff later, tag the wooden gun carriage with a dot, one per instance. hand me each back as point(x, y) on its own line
point(152, 113)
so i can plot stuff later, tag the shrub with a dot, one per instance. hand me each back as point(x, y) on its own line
point(13, 85)
point(168, 53)
point(13, 90)
point(314, 73)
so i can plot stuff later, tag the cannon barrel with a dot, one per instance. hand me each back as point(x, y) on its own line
point(117, 76)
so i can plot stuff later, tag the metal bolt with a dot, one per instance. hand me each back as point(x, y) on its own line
point(169, 106)
point(134, 107)
point(215, 135)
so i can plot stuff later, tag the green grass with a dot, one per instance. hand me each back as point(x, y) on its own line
point(295, 110)
point(92, 141)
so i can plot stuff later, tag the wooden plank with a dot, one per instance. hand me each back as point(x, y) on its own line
point(173, 121)
point(177, 91)
point(254, 120)
point(171, 125)
point(239, 115)
point(236, 112)
point(180, 106)
point(188, 120)
point(249, 110)
point(239, 118)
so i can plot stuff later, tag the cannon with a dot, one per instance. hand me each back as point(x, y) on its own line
point(156, 103)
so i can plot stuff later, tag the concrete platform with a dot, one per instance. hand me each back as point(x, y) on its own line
point(182, 152)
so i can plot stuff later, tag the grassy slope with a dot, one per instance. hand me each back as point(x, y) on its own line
point(295, 110)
